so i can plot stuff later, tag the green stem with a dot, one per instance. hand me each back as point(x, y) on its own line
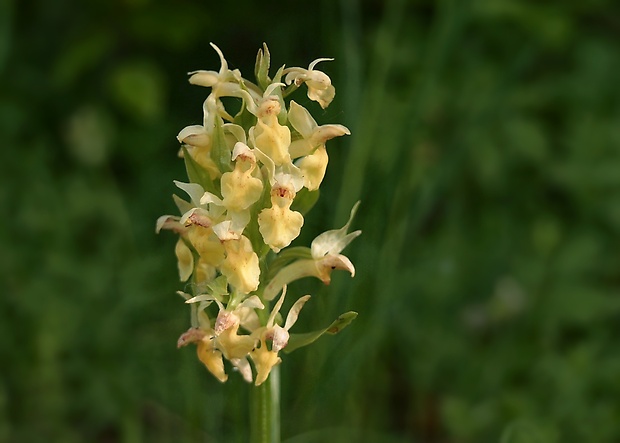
point(265, 410)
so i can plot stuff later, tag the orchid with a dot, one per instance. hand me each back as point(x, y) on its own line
point(324, 258)
point(245, 207)
point(319, 85)
point(265, 357)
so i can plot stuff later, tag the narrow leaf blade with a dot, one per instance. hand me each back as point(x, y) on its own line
point(297, 341)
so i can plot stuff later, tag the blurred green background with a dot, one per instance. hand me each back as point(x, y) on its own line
point(486, 153)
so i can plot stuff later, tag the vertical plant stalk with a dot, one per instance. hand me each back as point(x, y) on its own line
point(265, 410)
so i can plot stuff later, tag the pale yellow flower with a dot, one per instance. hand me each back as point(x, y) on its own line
point(240, 189)
point(265, 357)
point(311, 146)
point(233, 345)
point(312, 135)
point(269, 136)
point(274, 149)
point(197, 141)
point(279, 225)
point(223, 82)
point(325, 257)
point(241, 266)
point(185, 258)
point(211, 358)
point(208, 354)
point(319, 85)
point(199, 221)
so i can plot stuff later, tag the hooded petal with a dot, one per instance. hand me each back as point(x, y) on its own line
point(319, 84)
point(330, 263)
point(195, 135)
point(170, 222)
point(279, 336)
point(334, 241)
point(204, 78)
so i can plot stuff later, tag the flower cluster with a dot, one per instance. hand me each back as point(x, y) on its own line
point(252, 177)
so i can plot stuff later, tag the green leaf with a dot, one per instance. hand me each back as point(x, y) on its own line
point(196, 173)
point(261, 69)
point(299, 340)
point(220, 153)
point(305, 200)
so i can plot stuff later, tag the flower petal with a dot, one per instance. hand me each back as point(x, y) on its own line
point(204, 78)
point(170, 222)
point(194, 191)
point(301, 120)
point(212, 359)
point(313, 168)
point(330, 263)
point(252, 302)
point(243, 366)
point(279, 337)
point(291, 318)
point(195, 135)
point(185, 260)
point(334, 241)
point(276, 308)
point(319, 60)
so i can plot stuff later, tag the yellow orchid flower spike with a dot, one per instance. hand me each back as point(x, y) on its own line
point(254, 166)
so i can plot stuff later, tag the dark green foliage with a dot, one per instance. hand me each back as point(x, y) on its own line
point(485, 148)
